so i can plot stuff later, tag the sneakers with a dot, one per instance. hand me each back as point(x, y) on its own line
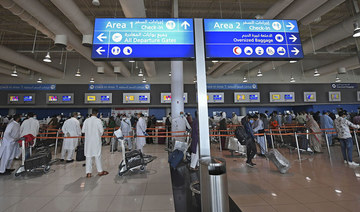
point(309, 149)
point(345, 161)
point(353, 164)
point(251, 164)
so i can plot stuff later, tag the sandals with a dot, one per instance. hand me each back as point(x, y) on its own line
point(103, 173)
point(88, 175)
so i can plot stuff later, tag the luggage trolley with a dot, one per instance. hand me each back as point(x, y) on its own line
point(39, 161)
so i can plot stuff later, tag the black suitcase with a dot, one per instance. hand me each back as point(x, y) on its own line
point(40, 159)
point(134, 158)
point(80, 153)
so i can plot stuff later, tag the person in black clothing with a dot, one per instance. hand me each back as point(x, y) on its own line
point(223, 126)
point(250, 141)
point(150, 124)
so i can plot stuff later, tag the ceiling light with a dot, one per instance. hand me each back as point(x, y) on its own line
point(215, 61)
point(96, 2)
point(131, 61)
point(316, 73)
point(292, 61)
point(338, 191)
point(292, 79)
point(337, 79)
point(308, 178)
point(356, 30)
point(92, 80)
point(140, 74)
point(170, 74)
point(39, 80)
point(47, 58)
point(245, 79)
point(14, 74)
point(259, 74)
point(195, 80)
point(144, 80)
point(78, 74)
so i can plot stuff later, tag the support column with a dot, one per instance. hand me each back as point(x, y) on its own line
point(243, 111)
point(177, 88)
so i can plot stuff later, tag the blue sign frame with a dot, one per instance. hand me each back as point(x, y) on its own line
point(143, 38)
point(252, 39)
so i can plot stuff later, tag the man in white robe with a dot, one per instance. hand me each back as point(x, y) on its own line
point(8, 147)
point(140, 131)
point(93, 129)
point(71, 128)
point(180, 124)
point(30, 126)
point(126, 130)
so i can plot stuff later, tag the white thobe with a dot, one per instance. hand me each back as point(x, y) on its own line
point(259, 125)
point(70, 128)
point(140, 130)
point(93, 129)
point(126, 129)
point(179, 124)
point(235, 120)
point(29, 126)
point(8, 147)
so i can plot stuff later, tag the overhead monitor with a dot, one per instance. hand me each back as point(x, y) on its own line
point(276, 96)
point(105, 98)
point(136, 98)
point(143, 38)
point(28, 98)
point(310, 96)
point(229, 39)
point(288, 96)
point(143, 98)
point(14, 98)
point(66, 98)
point(217, 97)
point(253, 97)
point(91, 98)
point(53, 98)
point(334, 96)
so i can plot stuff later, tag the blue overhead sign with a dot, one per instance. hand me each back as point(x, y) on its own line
point(231, 86)
point(145, 38)
point(30, 87)
point(252, 39)
point(128, 87)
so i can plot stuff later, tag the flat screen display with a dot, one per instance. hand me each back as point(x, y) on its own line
point(276, 96)
point(14, 98)
point(28, 98)
point(288, 96)
point(66, 98)
point(167, 97)
point(53, 98)
point(253, 97)
point(217, 97)
point(240, 97)
point(310, 96)
point(334, 96)
point(105, 98)
point(129, 98)
point(91, 98)
point(143, 98)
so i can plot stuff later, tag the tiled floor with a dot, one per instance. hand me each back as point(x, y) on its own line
point(317, 183)
point(65, 188)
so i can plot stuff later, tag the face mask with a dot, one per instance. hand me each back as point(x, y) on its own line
point(123, 118)
point(251, 121)
point(182, 115)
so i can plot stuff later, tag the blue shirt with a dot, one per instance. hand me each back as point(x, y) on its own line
point(326, 122)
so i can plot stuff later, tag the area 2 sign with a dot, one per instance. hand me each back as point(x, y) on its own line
point(252, 39)
point(130, 38)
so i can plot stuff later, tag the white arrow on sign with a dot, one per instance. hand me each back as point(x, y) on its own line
point(295, 50)
point(293, 38)
point(100, 50)
point(185, 24)
point(101, 37)
point(290, 25)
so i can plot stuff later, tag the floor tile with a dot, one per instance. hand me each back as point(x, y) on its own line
point(248, 200)
point(30, 204)
point(61, 203)
point(260, 208)
point(158, 189)
point(94, 203)
point(291, 207)
point(6, 202)
point(325, 206)
point(305, 196)
point(126, 203)
point(158, 202)
point(132, 189)
point(353, 205)
point(278, 198)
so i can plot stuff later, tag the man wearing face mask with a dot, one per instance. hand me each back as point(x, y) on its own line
point(180, 124)
point(126, 129)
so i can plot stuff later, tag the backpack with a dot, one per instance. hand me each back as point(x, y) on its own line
point(175, 158)
point(241, 135)
point(274, 124)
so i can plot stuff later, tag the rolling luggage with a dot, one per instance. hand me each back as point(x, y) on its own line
point(80, 152)
point(279, 160)
point(235, 146)
point(175, 158)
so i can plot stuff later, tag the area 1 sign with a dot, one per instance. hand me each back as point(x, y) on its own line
point(252, 39)
point(130, 38)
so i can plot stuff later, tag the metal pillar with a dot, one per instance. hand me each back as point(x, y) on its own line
point(177, 89)
point(327, 143)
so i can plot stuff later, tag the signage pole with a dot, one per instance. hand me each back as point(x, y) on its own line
point(201, 89)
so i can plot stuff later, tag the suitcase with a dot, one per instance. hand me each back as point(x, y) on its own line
point(235, 146)
point(279, 160)
point(134, 158)
point(41, 158)
point(175, 158)
point(80, 153)
point(162, 140)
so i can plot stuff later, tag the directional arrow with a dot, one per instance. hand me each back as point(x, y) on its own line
point(100, 50)
point(293, 38)
point(290, 25)
point(185, 24)
point(295, 50)
point(101, 37)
